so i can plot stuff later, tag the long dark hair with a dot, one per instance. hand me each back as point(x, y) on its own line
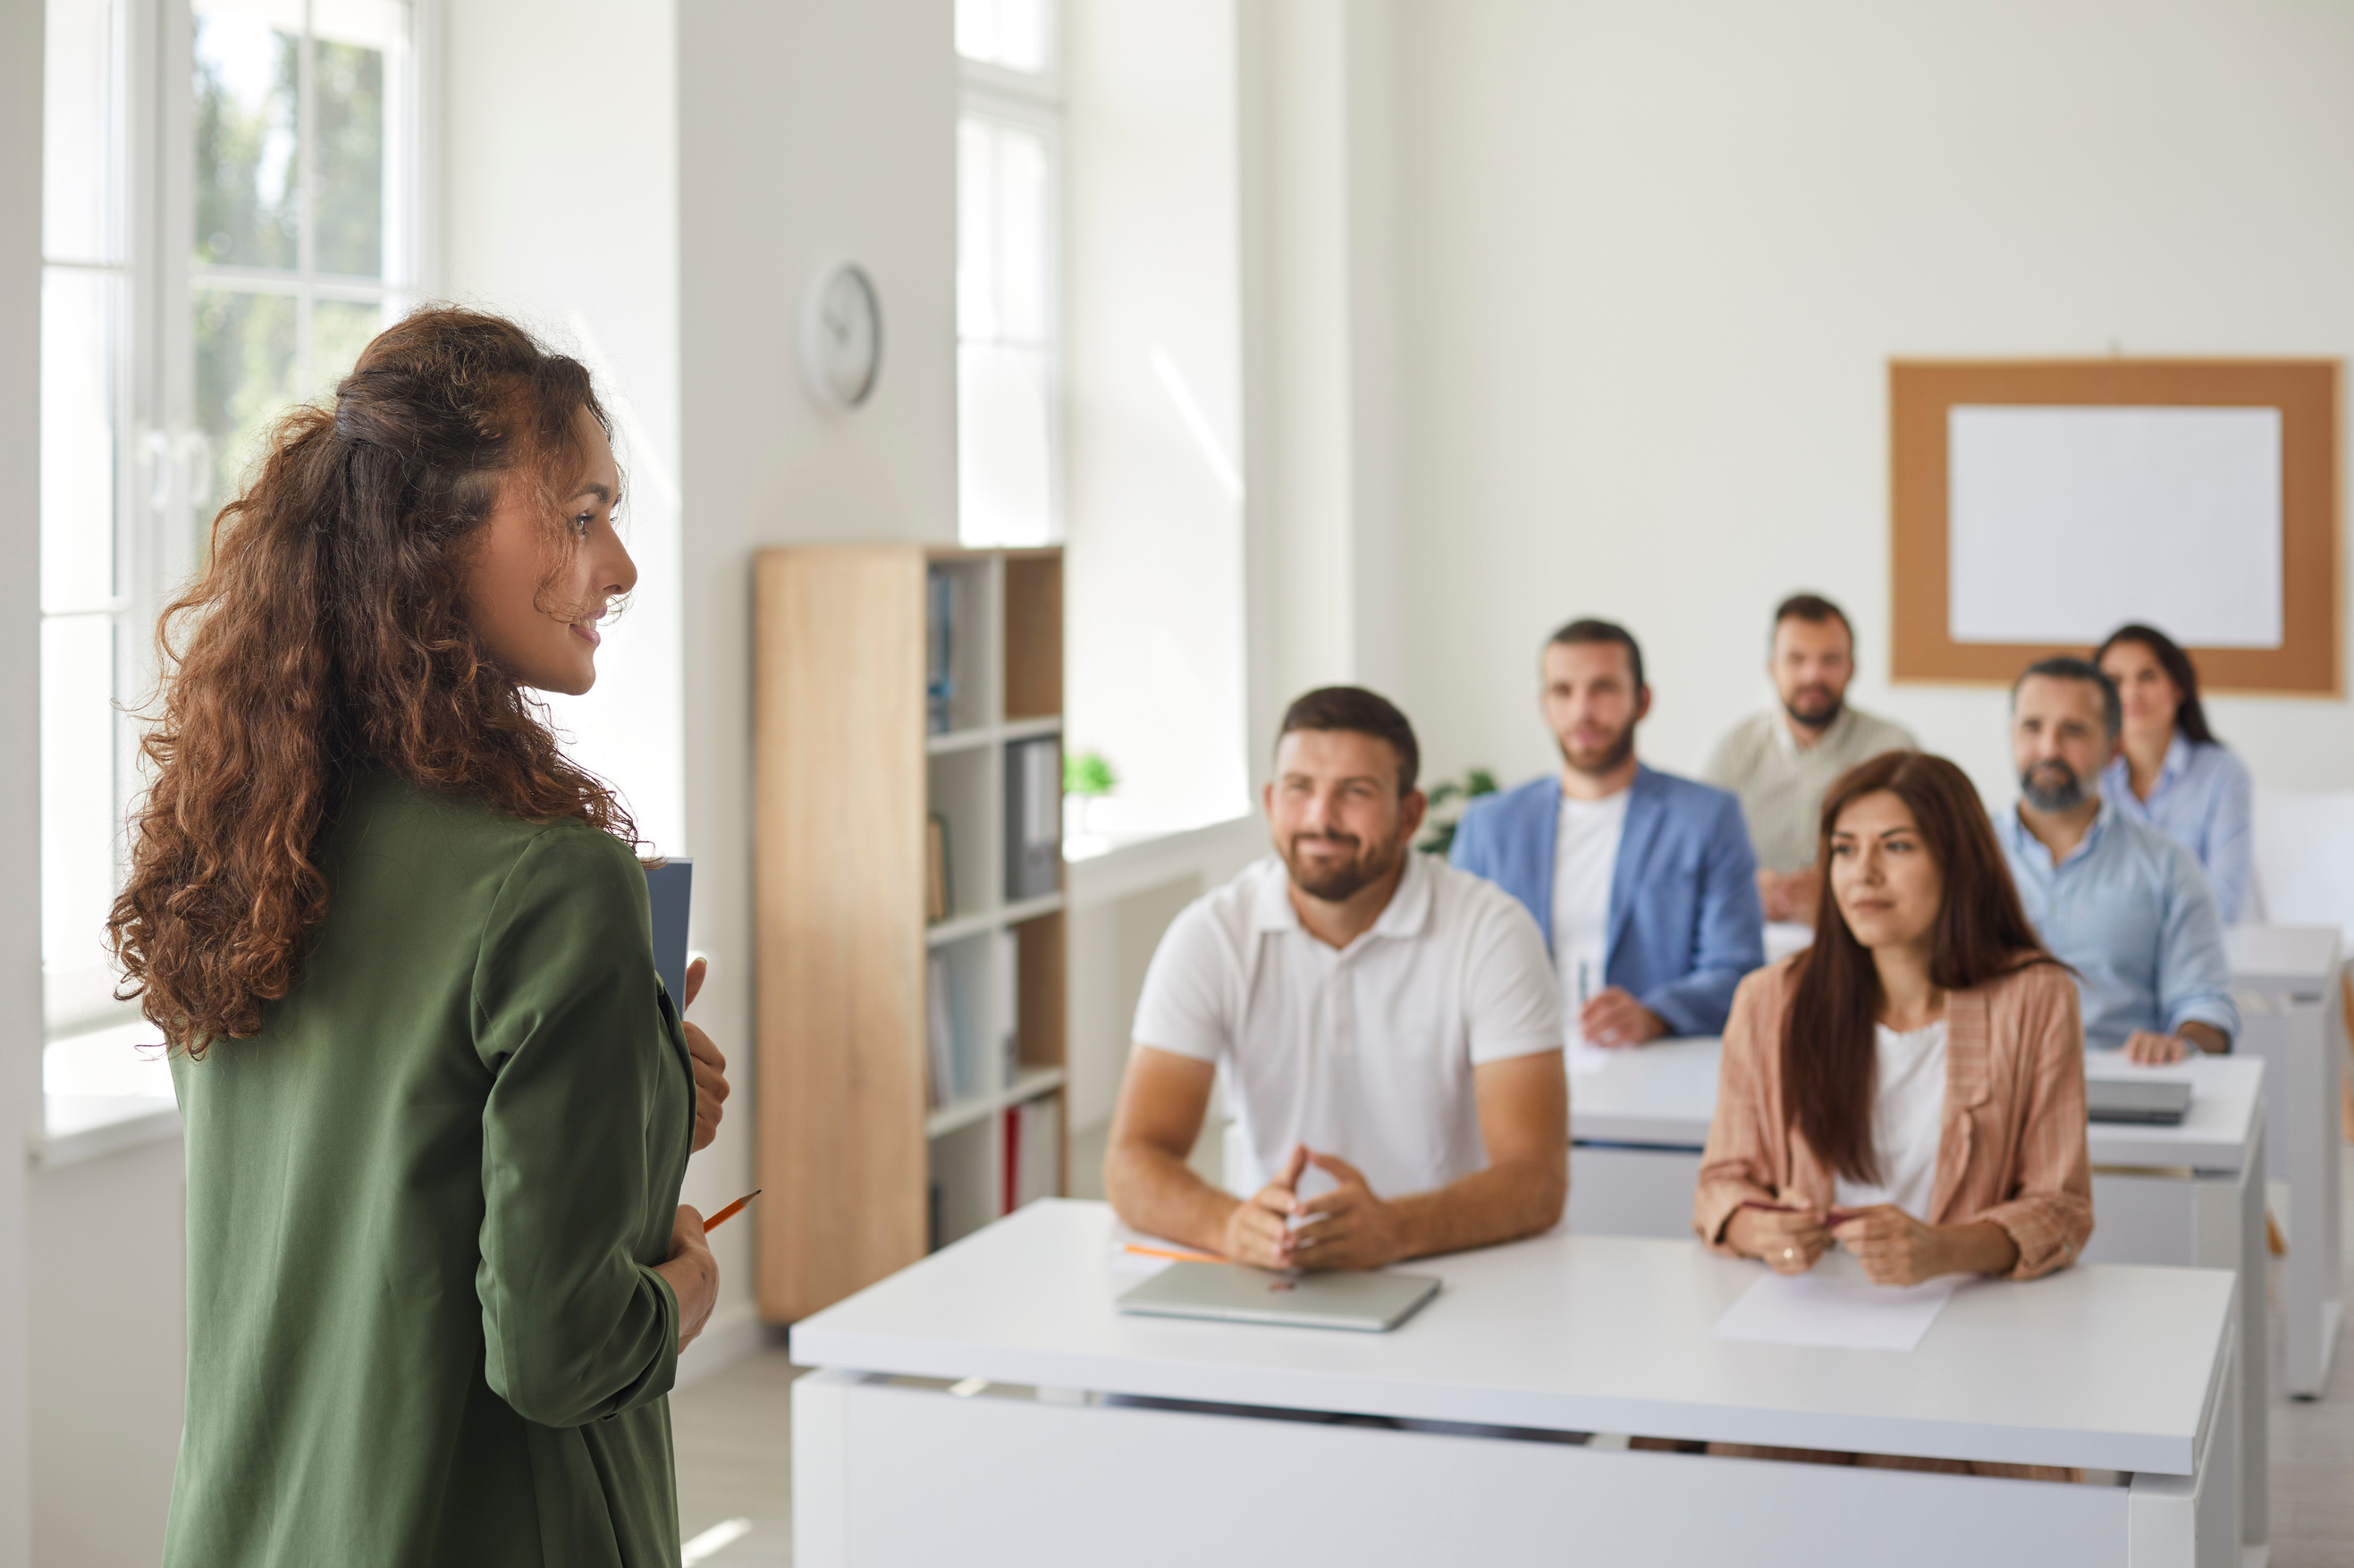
point(330, 634)
point(2190, 717)
point(1828, 1057)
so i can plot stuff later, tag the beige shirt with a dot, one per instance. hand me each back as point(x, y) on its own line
point(1781, 784)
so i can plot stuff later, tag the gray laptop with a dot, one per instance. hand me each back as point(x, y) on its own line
point(1340, 1299)
point(2163, 1102)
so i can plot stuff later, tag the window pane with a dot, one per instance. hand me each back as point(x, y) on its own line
point(339, 330)
point(348, 130)
point(79, 313)
point(246, 373)
point(1024, 235)
point(1009, 33)
point(248, 184)
point(1004, 233)
point(977, 218)
point(79, 146)
point(1004, 457)
point(78, 804)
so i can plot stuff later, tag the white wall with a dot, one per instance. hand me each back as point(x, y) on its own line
point(1654, 259)
point(109, 1385)
point(20, 809)
point(560, 208)
point(1153, 595)
point(809, 133)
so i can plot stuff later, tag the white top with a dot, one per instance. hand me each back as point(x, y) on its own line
point(2097, 1364)
point(1908, 1112)
point(1585, 859)
point(1366, 1051)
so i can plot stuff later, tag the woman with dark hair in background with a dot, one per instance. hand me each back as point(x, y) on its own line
point(438, 1105)
point(2170, 771)
point(1912, 1085)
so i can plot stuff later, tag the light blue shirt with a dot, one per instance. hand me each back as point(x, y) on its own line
point(2131, 913)
point(2205, 798)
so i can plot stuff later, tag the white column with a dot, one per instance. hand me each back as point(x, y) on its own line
point(20, 750)
point(1318, 140)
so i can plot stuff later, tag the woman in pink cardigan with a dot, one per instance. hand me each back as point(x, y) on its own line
point(1912, 1086)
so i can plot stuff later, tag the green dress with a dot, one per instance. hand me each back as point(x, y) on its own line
point(424, 1202)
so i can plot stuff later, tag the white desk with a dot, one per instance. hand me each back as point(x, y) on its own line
point(2109, 1367)
point(2285, 980)
point(2188, 1196)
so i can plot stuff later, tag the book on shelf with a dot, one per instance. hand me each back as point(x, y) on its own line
point(939, 650)
point(1034, 817)
point(939, 898)
point(970, 1052)
point(1033, 1164)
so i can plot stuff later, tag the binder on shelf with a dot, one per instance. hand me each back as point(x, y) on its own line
point(939, 1035)
point(1009, 1007)
point(1034, 1151)
point(1034, 817)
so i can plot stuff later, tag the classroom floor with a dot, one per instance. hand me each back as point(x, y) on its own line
point(734, 1436)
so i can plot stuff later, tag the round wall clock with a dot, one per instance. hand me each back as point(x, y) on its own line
point(841, 336)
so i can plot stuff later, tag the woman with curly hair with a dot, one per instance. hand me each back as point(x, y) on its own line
point(438, 1105)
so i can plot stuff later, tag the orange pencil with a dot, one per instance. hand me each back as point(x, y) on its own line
point(1176, 1257)
point(724, 1215)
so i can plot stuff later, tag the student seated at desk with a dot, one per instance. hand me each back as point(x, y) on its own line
point(2171, 772)
point(1383, 1018)
point(1920, 1067)
point(1642, 884)
point(2122, 904)
point(1780, 761)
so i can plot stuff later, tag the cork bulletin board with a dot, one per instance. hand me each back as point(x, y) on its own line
point(2036, 505)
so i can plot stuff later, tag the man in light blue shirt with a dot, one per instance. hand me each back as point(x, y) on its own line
point(2121, 903)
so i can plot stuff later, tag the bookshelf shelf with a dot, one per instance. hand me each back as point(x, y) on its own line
point(1028, 1084)
point(956, 740)
point(907, 735)
point(962, 926)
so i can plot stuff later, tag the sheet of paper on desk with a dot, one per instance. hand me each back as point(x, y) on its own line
point(1585, 1060)
point(1833, 1306)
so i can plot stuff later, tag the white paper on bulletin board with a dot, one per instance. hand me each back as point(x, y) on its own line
point(2062, 523)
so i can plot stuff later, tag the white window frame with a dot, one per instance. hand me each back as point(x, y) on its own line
point(1032, 100)
point(162, 459)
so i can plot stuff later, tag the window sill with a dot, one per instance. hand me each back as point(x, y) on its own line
point(76, 1128)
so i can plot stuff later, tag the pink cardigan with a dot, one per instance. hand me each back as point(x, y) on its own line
point(2012, 1144)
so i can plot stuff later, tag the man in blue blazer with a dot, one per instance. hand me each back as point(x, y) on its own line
point(1643, 884)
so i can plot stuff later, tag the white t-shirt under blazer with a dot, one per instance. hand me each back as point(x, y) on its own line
point(1366, 1051)
point(1585, 863)
point(1908, 1117)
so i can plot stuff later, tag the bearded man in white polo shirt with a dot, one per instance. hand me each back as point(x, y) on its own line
point(1390, 1027)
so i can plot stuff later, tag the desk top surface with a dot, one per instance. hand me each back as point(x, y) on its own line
point(1665, 1092)
point(2104, 1365)
point(2306, 954)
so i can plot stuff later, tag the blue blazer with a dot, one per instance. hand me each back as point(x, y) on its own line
point(1685, 924)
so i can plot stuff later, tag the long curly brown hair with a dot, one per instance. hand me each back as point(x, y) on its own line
point(330, 636)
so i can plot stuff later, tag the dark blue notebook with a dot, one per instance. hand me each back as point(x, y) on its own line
point(668, 886)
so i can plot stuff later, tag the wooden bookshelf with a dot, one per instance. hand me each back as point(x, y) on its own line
point(863, 1163)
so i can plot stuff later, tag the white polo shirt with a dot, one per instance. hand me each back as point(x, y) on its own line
point(1366, 1051)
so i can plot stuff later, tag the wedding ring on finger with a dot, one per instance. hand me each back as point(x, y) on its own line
point(1789, 1255)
